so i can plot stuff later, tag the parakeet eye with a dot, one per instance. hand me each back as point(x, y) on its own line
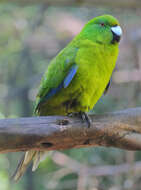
point(102, 24)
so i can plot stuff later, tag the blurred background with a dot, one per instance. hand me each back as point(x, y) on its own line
point(30, 36)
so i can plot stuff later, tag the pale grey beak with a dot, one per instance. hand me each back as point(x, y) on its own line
point(117, 32)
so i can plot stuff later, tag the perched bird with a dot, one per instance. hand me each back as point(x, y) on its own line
point(78, 76)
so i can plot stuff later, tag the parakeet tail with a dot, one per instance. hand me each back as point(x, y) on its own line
point(36, 156)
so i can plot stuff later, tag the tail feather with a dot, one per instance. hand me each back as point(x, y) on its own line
point(39, 157)
point(36, 156)
point(23, 164)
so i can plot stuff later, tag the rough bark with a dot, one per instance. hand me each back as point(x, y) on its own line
point(120, 129)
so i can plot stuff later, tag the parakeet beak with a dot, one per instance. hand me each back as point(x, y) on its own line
point(117, 32)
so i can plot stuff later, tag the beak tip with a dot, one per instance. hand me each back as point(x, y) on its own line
point(117, 30)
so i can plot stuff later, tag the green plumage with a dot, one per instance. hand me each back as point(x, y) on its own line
point(78, 76)
point(95, 56)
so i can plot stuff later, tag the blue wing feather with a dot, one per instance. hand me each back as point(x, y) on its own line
point(64, 84)
point(53, 91)
point(70, 75)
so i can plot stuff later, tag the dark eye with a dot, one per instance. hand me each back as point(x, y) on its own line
point(102, 24)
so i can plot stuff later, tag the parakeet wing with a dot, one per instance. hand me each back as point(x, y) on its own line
point(59, 75)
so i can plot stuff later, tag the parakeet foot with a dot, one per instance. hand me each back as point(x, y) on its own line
point(84, 116)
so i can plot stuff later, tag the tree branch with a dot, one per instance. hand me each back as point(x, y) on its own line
point(120, 129)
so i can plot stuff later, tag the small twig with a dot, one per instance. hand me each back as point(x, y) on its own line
point(75, 166)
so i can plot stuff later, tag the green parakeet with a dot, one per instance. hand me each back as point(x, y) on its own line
point(78, 76)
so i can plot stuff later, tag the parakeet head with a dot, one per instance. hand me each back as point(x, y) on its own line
point(103, 29)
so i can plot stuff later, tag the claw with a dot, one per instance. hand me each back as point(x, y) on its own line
point(86, 118)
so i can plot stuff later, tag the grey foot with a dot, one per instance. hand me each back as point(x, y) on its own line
point(84, 116)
